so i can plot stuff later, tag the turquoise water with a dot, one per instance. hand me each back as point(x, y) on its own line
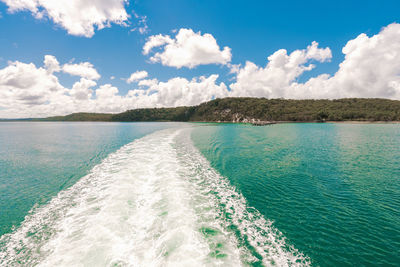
point(179, 194)
point(333, 190)
point(104, 198)
point(37, 160)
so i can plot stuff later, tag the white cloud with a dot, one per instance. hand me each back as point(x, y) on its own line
point(30, 91)
point(82, 90)
point(180, 91)
point(51, 64)
point(83, 69)
point(136, 76)
point(155, 41)
point(281, 71)
point(187, 49)
point(25, 84)
point(148, 82)
point(371, 68)
point(78, 17)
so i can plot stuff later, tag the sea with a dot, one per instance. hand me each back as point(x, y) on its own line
point(199, 194)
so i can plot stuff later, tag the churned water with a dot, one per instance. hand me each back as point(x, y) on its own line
point(39, 159)
point(170, 194)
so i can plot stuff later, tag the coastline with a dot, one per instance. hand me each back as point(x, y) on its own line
point(214, 122)
point(283, 122)
point(253, 110)
point(346, 122)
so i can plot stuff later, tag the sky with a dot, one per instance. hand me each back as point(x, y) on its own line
point(65, 56)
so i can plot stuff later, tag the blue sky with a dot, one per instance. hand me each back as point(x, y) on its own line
point(253, 30)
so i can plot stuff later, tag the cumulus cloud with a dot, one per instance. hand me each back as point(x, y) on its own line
point(78, 17)
point(371, 68)
point(281, 70)
point(136, 76)
point(180, 91)
point(30, 91)
point(82, 90)
point(187, 49)
point(26, 85)
point(51, 64)
point(83, 69)
point(155, 41)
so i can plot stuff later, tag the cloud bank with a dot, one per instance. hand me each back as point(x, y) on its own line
point(78, 17)
point(280, 72)
point(371, 68)
point(30, 91)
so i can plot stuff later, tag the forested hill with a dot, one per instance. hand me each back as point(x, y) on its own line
point(82, 117)
point(249, 109)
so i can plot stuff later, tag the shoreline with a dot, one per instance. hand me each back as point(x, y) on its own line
point(216, 122)
point(282, 122)
point(348, 122)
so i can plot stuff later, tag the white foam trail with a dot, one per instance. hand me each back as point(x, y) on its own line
point(154, 202)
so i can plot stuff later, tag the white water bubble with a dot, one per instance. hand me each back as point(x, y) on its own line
point(154, 202)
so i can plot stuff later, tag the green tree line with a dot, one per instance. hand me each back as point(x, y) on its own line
point(246, 108)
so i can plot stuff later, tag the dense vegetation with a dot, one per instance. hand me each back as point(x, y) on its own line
point(156, 114)
point(82, 117)
point(246, 109)
point(299, 110)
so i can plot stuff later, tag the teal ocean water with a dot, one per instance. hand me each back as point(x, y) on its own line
point(37, 160)
point(176, 194)
point(333, 190)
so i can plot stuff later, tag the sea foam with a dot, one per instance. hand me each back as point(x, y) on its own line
point(154, 202)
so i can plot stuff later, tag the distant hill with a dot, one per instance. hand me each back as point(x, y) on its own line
point(156, 114)
point(239, 109)
point(81, 117)
point(250, 109)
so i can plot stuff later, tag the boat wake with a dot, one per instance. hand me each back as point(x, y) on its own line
point(154, 202)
